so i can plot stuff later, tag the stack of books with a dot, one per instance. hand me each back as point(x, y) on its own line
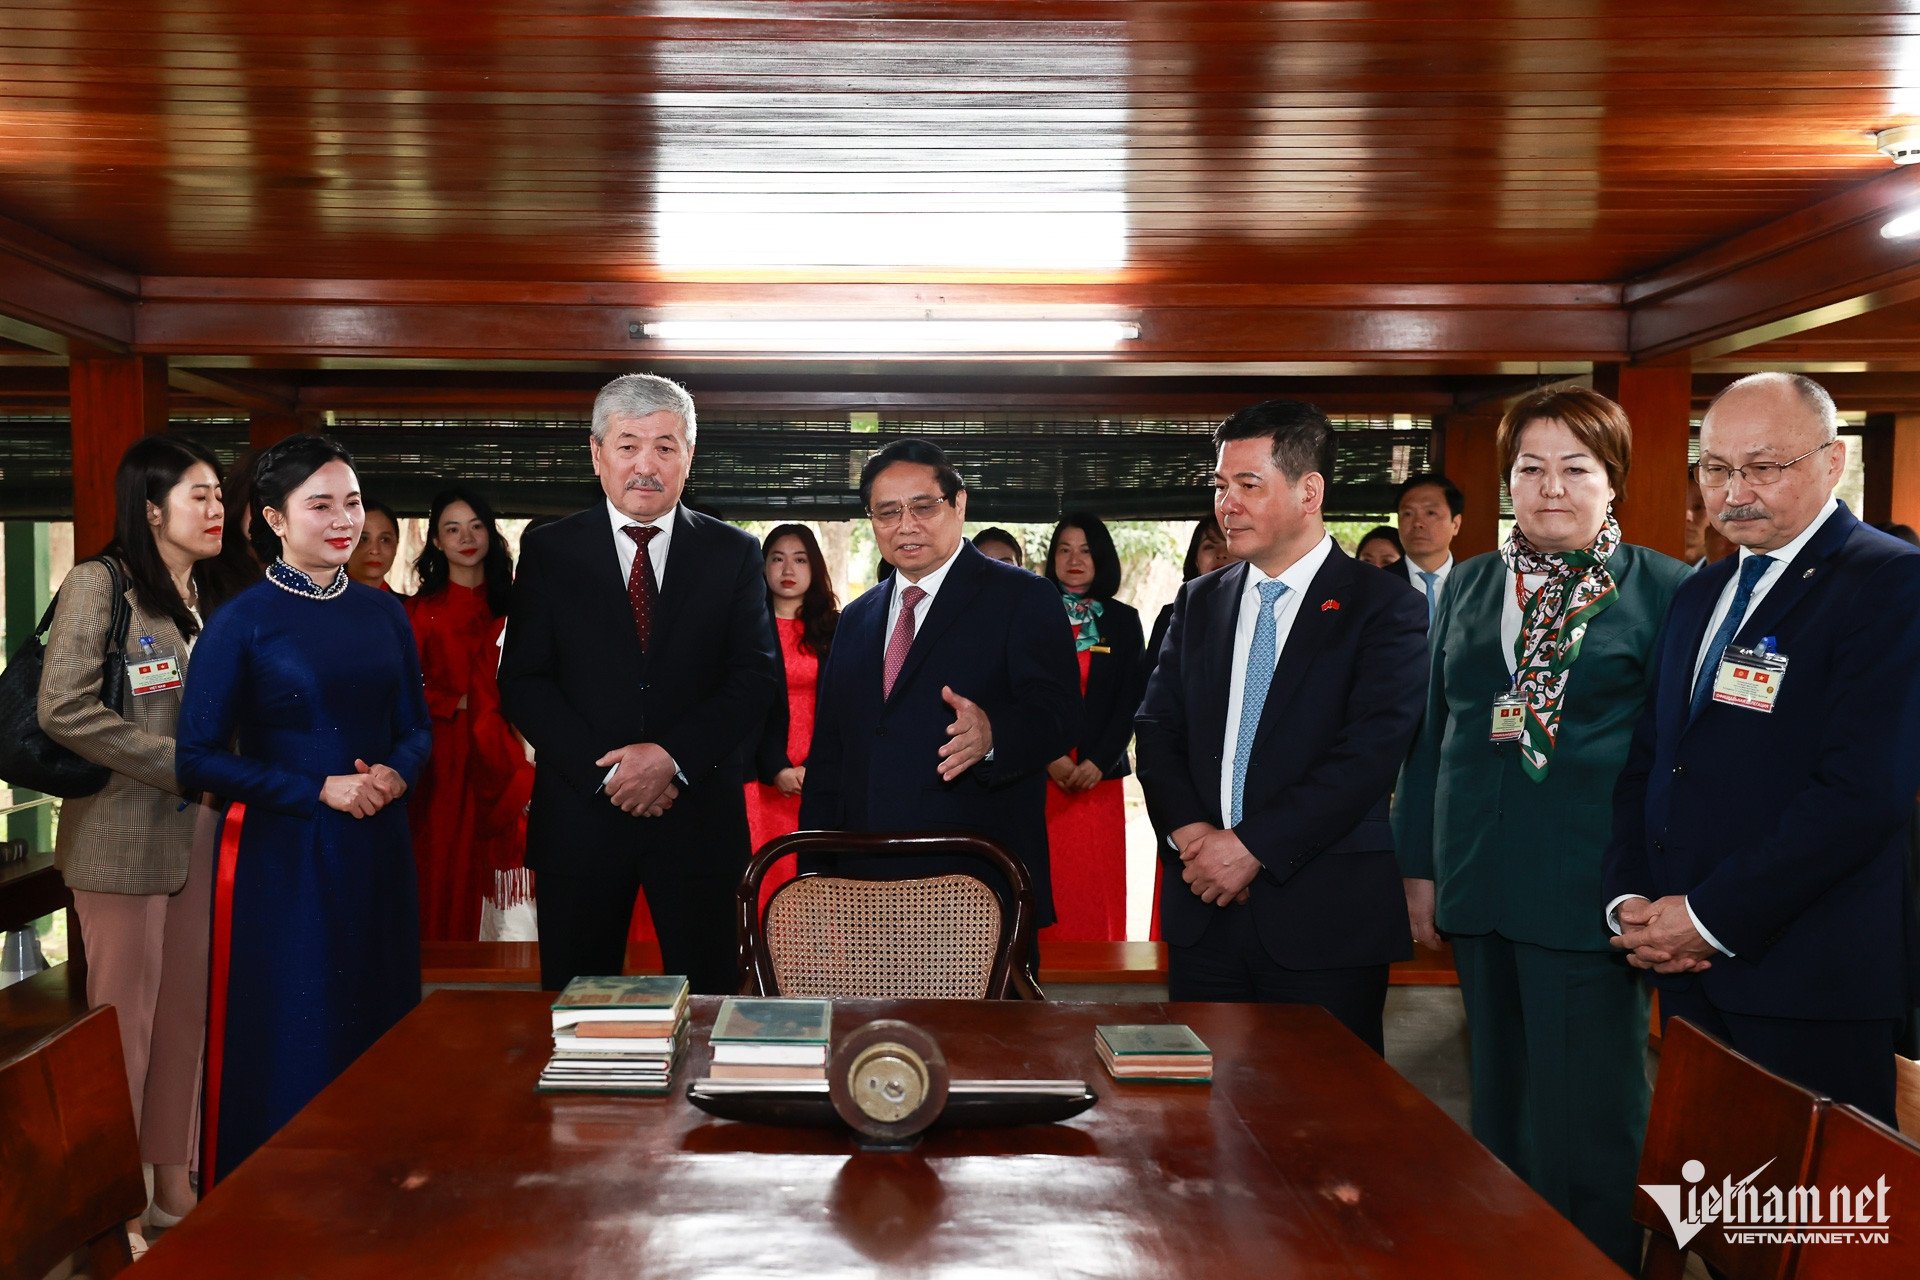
point(617, 1035)
point(1168, 1052)
point(770, 1040)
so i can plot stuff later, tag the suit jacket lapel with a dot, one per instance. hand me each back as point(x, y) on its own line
point(1313, 626)
point(1686, 632)
point(954, 597)
point(599, 559)
point(1799, 577)
point(1220, 614)
point(684, 556)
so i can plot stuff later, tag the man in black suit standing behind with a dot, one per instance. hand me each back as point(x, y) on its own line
point(639, 658)
point(1288, 691)
point(951, 684)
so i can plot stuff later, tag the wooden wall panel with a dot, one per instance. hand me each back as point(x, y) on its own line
point(1658, 400)
point(1469, 460)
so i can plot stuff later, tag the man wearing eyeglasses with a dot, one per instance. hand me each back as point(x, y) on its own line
point(950, 686)
point(1756, 871)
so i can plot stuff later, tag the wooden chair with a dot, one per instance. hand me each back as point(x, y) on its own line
point(852, 934)
point(69, 1161)
point(1732, 1116)
point(1854, 1150)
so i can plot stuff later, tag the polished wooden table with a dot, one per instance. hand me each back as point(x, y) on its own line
point(433, 1156)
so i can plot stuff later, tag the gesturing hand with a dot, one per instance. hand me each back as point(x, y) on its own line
point(969, 737)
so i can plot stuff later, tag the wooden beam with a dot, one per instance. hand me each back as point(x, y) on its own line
point(115, 400)
point(1385, 325)
point(52, 295)
point(1823, 264)
point(1468, 458)
point(223, 391)
point(1658, 399)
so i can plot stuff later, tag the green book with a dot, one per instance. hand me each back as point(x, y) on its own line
point(1156, 1040)
point(755, 1021)
point(657, 998)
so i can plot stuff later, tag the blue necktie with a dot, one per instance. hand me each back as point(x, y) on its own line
point(1750, 571)
point(1433, 593)
point(1253, 699)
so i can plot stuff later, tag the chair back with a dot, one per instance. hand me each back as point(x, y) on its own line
point(69, 1161)
point(1854, 1153)
point(1717, 1115)
point(943, 931)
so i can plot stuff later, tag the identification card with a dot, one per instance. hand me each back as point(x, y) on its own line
point(1509, 718)
point(153, 671)
point(1750, 678)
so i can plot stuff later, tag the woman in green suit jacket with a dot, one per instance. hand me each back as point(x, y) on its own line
point(1500, 823)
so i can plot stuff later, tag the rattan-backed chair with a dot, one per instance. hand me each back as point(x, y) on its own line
point(69, 1161)
point(853, 934)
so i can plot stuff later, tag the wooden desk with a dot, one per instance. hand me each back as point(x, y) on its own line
point(433, 1156)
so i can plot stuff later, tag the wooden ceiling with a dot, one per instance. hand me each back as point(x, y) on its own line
point(1323, 188)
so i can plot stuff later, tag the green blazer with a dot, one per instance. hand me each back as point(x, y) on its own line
point(1510, 855)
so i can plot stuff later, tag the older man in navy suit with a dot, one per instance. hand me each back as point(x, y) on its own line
point(951, 685)
point(1288, 690)
point(1757, 867)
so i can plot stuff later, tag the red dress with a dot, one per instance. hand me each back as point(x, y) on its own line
point(770, 814)
point(1087, 848)
point(468, 811)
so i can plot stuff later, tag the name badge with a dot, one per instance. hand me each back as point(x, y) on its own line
point(1750, 678)
point(153, 671)
point(1509, 718)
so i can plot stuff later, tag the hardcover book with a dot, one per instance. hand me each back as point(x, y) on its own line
point(769, 1021)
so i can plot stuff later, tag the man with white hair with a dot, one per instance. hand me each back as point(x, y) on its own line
point(1757, 867)
point(639, 660)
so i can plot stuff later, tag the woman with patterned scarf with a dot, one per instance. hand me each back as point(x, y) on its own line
point(1541, 660)
point(1086, 813)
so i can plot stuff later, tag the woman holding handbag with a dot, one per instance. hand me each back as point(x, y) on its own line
point(140, 887)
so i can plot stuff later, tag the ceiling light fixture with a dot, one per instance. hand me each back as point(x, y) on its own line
point(890, 336)
point(1904, 225)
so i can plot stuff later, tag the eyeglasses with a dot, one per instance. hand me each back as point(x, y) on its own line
point(919, 508)
point(1717, 475)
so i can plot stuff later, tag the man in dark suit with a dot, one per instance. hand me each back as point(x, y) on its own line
point(639, 659)
point(1757, 865)
point(951, 684)
point(1427, 512)
point(1287, 693)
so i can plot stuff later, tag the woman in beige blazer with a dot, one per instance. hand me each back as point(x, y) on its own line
point(140, 887)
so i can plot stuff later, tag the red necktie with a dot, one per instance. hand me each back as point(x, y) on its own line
point(640, 585)
point(900, 641)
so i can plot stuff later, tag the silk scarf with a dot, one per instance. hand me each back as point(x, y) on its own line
point(1553, 622)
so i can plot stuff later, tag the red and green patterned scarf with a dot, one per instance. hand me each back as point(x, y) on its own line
point(1578, 589)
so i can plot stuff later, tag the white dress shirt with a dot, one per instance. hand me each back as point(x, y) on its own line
point(929, 584)
point(1298, 576)
point(656, 550)
point(1782, 557)
point(1440, 577)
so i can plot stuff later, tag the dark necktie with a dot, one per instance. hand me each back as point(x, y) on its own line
point(641, 588)
point(1750, 570)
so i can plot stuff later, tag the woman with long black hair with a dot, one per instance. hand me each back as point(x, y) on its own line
point(305, 705)
point(469, 829)
point(140, 887)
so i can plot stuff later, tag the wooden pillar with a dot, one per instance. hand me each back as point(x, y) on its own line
point(1903, 473)
point(28, 565)
point(1658, 399)
point(115, 400)
point(1876, 464)
point(267, 429)
point(1468, 459)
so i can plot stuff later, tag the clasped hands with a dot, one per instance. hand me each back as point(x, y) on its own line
point(1218, 866)
point(365, 791)
point(643, 785)
point(1659, 936)
point(1071, 777)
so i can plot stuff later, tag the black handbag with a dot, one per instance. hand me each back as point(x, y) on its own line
point(28, 757)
